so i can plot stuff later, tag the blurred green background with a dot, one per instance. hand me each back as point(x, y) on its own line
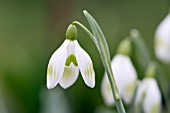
point(30, 31)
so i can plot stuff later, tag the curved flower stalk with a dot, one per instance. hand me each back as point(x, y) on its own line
point(67, 60)
point(125, 76)
point(162, 40)
point(148, 97)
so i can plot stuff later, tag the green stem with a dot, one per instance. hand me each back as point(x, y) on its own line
point(86, 30)
point(107, 66)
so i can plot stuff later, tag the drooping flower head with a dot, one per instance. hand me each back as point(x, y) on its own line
point(148, 97)
point(126, 79)
point(67, 60)
point(124, 73)
point(162, 40)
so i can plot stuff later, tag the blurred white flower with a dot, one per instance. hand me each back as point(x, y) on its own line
point(162, 40)
point(126, 80)
point(65, 63)
point(148, 96)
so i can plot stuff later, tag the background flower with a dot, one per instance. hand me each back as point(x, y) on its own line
point(162, 40)
point(148, 97)
point(126, 79)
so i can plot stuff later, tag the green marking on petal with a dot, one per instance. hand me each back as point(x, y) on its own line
point(130, 88)
point(67, 71)
point(49, 70)
point(143, 96)
point(155, 108)
point(89, 69)
point(159, 42)
point(70, 59)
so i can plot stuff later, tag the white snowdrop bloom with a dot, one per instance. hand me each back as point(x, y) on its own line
point(162, 40)
point(148, 96)
point(67, 60)
point(126, 80)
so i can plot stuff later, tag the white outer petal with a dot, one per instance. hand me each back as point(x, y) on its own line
point(107, 92)
point(140, 92)
point(125, 76)
point(85, 65)
point(152, 101)
point(69, 76)
point(148, 94)
point(162, 40)
point(56, 65)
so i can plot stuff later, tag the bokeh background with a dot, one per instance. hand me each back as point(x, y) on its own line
point(30, 31)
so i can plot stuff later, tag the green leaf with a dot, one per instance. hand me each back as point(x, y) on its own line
point(141, 56)
point(102, 46)
point(164, 86)
point(99, 38)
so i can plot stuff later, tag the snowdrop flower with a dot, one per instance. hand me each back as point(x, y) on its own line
point(126, 80)
point(67, 60)
point(162, 40)
point(148, 96)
